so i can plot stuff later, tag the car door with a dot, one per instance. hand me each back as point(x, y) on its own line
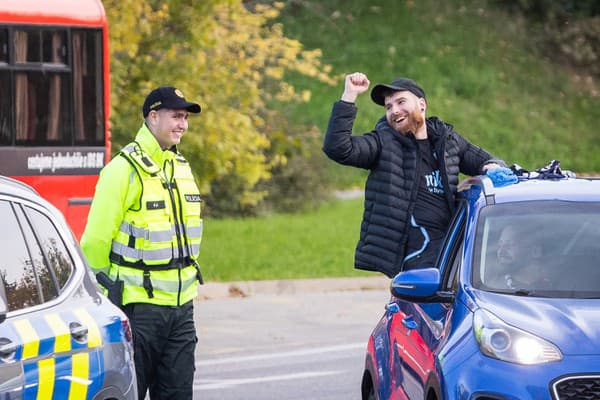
point(44, 347)
point(419, 327)
point(412, 356)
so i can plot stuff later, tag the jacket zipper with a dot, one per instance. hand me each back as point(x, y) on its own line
point(413, 198)
point(176, 222)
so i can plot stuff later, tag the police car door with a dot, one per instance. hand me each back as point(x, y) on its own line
point(40, 357)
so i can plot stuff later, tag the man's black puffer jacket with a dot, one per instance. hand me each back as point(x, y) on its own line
point(391, 186)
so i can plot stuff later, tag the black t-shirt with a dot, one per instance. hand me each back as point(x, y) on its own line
point(431, 213)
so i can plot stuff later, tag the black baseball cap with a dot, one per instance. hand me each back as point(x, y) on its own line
point(377, 94)
point(168, 97)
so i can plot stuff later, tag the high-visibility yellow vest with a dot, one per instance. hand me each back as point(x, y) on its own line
point(158, 242)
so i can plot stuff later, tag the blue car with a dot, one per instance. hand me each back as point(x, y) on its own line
point(60, 337)
point(511, 310)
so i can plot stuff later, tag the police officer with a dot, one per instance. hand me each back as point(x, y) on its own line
point(143, 239)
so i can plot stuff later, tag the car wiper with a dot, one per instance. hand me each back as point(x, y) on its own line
point(530, 293)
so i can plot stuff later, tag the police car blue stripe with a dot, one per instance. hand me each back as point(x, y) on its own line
point(45, 335)
point(30, 368)
point(96, 372)
point(63, 370)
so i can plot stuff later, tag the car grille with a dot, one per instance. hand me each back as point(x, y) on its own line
point(577, 387)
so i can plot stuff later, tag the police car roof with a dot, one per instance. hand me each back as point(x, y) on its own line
point(16, 188)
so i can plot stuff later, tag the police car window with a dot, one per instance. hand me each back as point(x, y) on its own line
point(54, 253)
point(46, 279)
point(18, 275)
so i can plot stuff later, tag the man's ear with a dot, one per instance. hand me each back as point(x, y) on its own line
point(422, 104)
point(152, 118)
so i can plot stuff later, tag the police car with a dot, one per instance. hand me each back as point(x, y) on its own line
point(60, 337)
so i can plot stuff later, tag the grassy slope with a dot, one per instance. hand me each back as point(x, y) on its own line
point(474, 64)
point(475, 68)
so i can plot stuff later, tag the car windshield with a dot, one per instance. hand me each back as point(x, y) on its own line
point(542, 248)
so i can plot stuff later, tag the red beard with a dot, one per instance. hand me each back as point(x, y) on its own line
point(414, 122)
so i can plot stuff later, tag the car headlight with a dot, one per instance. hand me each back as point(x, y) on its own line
point(504, 342)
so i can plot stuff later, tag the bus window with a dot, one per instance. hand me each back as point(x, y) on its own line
point(41, 94)
point(5, 107)
point(27, 46)
point(53, 87)
point(54, 103)
point(54, 47)
point(87, 87)
point(41, 107)
point(5, 98)
point(3, 46)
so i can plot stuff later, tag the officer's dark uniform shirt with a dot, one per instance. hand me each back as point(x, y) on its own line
point(431, 215)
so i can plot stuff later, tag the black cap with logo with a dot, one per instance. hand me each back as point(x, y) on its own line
point(168, 97)
point(379, 91)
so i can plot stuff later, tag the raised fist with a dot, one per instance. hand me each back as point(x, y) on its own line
point(356, 83)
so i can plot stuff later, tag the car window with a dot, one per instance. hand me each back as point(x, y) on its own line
point(547, 248)
point(451, 283)
point(54, 253)
point(44, 276)
point(17, 272)
point(451, 254)
point(35, 264)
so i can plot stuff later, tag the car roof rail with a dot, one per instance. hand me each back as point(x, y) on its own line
point(482, 181)
point(17, 184)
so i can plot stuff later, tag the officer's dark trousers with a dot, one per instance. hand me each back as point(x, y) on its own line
point(164, 341)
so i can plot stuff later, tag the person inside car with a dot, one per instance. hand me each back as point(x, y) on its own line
point(519, 260)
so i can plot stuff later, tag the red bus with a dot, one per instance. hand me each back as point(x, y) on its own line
point(54, 99)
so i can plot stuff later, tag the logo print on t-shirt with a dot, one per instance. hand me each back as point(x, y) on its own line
point(434, 182)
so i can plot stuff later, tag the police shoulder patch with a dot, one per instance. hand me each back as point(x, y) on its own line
point(193, 198)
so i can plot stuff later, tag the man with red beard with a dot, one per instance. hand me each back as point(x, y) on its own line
point(414, 163)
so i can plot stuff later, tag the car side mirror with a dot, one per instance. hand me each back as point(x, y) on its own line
point(421, 285)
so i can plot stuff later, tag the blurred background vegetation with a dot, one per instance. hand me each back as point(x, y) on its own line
point(517, 77)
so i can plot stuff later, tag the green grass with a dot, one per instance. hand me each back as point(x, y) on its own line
point(480, 73)
point(286, 246)
point(476, 64)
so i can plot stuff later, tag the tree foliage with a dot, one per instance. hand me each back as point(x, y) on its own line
point(570, 30)
point(234, 62)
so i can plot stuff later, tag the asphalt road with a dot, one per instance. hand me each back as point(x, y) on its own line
point(291, 345)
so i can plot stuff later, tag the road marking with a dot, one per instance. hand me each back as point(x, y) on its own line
point(212, 384)
point(295, 353)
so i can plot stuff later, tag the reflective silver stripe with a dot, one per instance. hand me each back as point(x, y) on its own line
point(152, 255)
point(137, 254)
point(129, 229)
point(160, 236)
point(142, 233)
point(194, 231)
point(195, 250)
point(121, 249)
point(158, 284)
